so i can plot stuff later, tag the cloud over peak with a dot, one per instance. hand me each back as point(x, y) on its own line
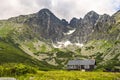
point(61, 8)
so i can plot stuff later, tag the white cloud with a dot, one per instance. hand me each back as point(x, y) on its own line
point(61, 8)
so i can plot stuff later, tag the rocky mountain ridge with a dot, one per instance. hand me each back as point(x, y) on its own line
point(48, 39)
point(49, 27)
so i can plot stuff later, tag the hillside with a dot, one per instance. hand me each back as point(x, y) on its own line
point(45, 39)
point(11, 54)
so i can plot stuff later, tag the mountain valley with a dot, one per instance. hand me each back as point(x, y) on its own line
point(47, 41)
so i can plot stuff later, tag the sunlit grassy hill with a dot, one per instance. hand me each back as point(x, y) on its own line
point(11, 53)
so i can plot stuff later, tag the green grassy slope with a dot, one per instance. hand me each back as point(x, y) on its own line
point(106, 53)
point(11, 53)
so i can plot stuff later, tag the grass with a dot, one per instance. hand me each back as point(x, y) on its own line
point(11, 53)
point(70, 75)
point(6, 28)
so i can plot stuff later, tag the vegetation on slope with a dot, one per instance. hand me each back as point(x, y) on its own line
point(18, 37)
point(15, 69)
point(11, 53)
point(106, 53)
point(70, 75)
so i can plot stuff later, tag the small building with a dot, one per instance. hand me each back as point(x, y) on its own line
point(86, 64)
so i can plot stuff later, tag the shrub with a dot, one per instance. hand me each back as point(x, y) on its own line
point(89, 48)
point(18, 69)
point(22, 69)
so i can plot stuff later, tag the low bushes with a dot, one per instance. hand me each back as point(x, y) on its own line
point(17, 69)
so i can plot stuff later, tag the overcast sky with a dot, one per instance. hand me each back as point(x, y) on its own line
point(61, 8)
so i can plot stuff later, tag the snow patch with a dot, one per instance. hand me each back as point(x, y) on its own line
point(63, 44)
point(67, 43)
point(93, 30)
point(79, 44)
point(70, 32)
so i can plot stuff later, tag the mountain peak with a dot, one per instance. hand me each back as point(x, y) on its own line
point(73, 22)
point(91, 14)
point(91, 17)
point(45, 11)
point(74, 19)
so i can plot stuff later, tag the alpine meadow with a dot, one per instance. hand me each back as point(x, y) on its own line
point(42, 46)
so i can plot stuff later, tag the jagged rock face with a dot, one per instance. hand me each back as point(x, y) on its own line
point(64, 22)
point(74, 22)
point(93, 26)
point(116, 16)
point(84, 27)
point(47, 25)
point(115, 31)
point(90, 18)
point(104, 23)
